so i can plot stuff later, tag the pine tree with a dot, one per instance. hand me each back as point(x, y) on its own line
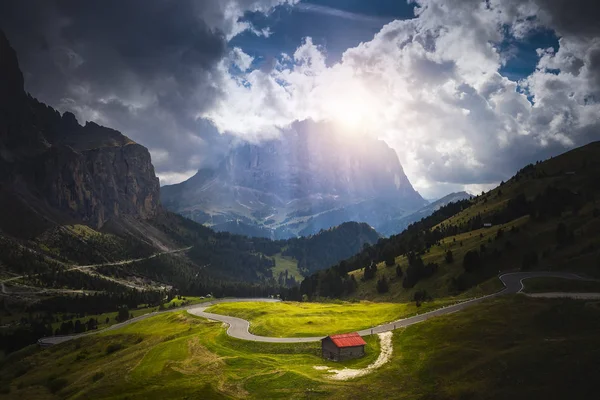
point(449, 257)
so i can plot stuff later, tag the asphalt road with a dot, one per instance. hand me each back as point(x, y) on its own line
point(238, 328)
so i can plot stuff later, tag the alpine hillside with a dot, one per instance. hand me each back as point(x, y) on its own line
point(545, 217)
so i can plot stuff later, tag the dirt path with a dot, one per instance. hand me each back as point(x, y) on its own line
point(385, 342)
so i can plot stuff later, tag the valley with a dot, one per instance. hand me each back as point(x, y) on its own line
point(222, 286)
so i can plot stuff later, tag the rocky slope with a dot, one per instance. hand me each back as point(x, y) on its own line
point(311, 178)
point(52, 166)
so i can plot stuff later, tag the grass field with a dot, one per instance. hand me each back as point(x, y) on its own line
point(283, 263)
point(102, 318)
point(541, 285)
point(513, 347)
point(291, 319)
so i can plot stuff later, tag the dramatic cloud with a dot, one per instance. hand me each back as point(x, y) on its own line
point(145, 68)
point(432, 88)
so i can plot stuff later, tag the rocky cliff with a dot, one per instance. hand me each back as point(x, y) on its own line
point(89, 173)
point(311, 178)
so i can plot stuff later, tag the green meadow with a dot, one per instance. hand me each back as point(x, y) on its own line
point(292, 319)
point(504, 348)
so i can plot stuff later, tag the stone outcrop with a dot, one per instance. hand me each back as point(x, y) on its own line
point(90, 173)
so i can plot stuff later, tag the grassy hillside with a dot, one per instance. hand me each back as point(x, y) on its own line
point(546, 217)
point(285, 264)
point(506, 348)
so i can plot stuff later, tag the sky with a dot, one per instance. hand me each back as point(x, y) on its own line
point(466, 91)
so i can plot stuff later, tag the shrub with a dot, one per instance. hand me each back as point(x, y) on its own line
point(97, 376)
point(82, 355)
point(382, 285)
point(421, 296)
point(472, 261)
point(449, 257)
point(55, 384)
point(499, 233)
point(398, 271)
point(111, 348)
point(123, 314)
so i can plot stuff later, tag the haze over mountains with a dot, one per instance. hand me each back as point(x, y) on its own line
point(311, 178)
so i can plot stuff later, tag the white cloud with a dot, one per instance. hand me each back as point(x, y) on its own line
point(170, 178)
point(240, 59)
point(431, 88)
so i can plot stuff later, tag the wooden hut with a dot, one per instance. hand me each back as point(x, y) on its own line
point(343, 347)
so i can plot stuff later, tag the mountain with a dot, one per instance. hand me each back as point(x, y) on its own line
point(397, 225)
point(545, 217)
point(311, 178)
point(51, 166)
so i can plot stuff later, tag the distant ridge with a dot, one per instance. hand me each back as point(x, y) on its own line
point(397, 225)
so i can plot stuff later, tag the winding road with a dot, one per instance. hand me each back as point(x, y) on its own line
point(73, 267)
point(239, 328)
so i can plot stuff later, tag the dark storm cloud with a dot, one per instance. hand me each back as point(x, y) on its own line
point(146, 68)
point(572, 17)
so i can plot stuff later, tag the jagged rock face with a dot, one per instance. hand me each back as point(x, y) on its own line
point(304, 163)
point(305, 181)
point(90, 172)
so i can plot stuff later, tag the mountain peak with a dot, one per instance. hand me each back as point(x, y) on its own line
point(12, 83)
point(88, 173)
point(308, 179)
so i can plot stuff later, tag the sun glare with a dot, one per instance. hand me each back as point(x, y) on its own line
point(352, 108)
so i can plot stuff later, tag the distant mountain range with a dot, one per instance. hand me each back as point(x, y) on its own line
point(311, 178)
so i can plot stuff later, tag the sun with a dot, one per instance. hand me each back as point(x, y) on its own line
point(353, 108)
point(348, 113)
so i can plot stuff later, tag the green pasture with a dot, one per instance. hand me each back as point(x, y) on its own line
point(292, 319)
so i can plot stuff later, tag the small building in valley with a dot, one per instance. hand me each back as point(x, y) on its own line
point(343, 347)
